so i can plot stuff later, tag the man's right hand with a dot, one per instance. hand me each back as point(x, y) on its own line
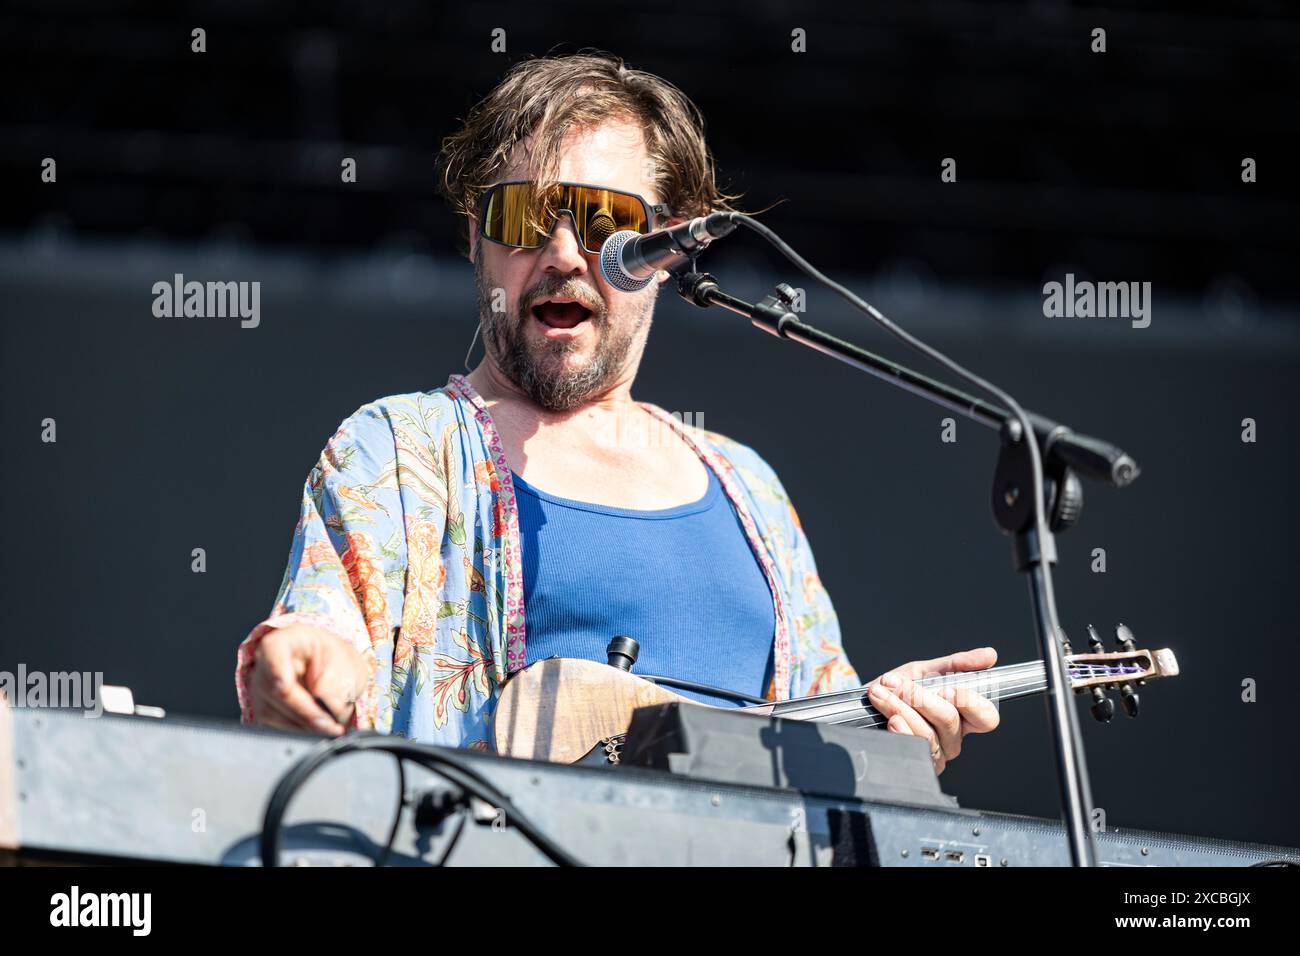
point(293, 666)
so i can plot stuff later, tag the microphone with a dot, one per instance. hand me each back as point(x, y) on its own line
point(601, 226)
point(629, 260)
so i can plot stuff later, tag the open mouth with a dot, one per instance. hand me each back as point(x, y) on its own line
point(561, 313)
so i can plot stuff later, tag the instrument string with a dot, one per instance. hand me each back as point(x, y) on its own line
point(867, 715)
point(859, 710)
point(996, 678)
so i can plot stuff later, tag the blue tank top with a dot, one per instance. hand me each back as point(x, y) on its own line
point(682, 581)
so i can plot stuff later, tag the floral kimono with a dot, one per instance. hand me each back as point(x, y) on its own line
point(407, 547)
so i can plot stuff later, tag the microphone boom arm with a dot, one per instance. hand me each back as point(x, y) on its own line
point(1087, 456)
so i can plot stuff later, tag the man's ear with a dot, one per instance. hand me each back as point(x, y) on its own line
point(472, 225)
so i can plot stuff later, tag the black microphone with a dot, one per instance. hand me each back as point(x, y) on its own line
point(629, 260)
point(1085, 454)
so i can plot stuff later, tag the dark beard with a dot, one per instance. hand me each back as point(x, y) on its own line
point(540, 370)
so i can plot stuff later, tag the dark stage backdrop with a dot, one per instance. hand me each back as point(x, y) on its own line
point(176, 434)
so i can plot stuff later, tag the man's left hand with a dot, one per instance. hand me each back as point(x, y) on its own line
point(941, 716)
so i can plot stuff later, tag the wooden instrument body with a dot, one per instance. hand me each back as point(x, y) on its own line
point(559, 708)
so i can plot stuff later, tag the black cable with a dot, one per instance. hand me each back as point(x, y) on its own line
point(433, 760)
point(698, 688)
point(397, 816)
point(1027, 431)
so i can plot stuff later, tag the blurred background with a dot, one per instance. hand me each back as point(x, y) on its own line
point(175, 434)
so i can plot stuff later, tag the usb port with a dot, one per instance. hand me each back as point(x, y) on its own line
point(929, 853)
point(955, 856)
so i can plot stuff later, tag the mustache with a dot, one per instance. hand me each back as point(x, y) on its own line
point(584, 295)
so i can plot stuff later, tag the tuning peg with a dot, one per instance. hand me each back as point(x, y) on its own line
point(1129, 698)
point(1103, 708)
point(1125, 640)
point(1095, 643)
point(1127, 694)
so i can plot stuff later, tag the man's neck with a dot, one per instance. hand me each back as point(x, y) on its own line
point(609, 450)
point(496, 389)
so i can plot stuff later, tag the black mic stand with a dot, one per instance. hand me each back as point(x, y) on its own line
point(1063, 453)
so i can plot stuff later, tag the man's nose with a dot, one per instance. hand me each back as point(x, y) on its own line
point(563, 252)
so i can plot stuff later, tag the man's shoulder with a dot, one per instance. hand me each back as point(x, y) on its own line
point(367, 443)
point(379, 419)
point(752, 467)
point(735, 451)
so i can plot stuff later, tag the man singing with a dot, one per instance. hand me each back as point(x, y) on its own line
point(532, 508)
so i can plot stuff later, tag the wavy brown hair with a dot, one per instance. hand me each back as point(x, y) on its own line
point(547, 97)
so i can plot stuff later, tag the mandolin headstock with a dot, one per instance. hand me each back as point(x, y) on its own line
point(1113, 669)
point(1123, 670)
